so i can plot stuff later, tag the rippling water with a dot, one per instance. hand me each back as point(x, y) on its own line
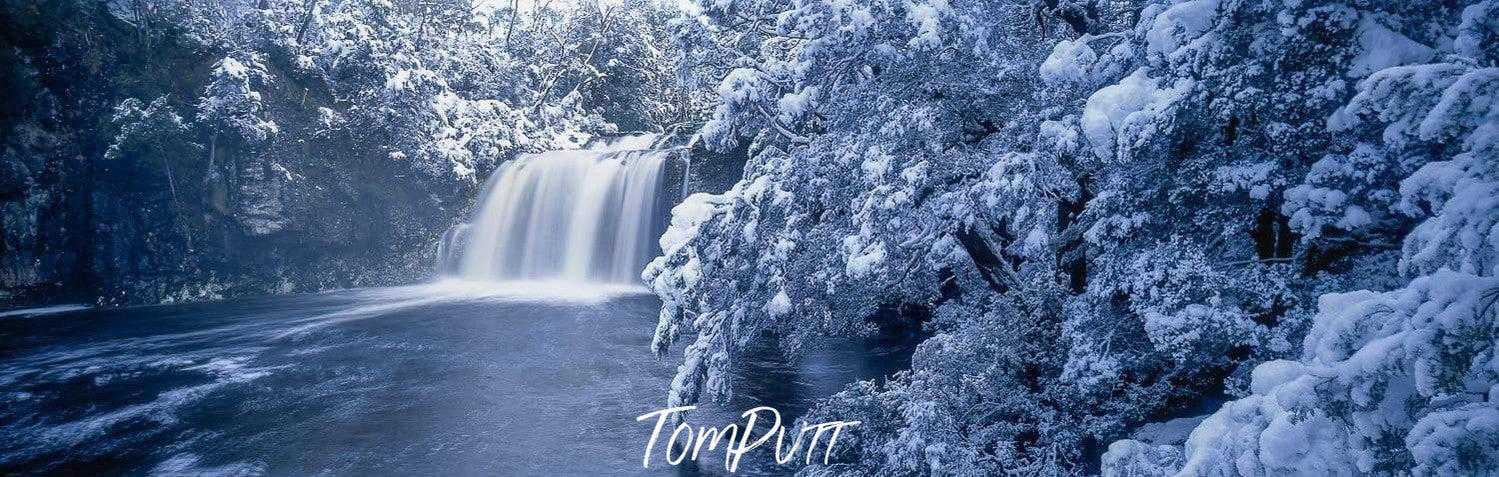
point(448, 378)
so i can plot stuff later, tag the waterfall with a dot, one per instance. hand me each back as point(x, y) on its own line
point(585, 215)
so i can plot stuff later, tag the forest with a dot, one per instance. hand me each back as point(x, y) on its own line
point(1123, 237)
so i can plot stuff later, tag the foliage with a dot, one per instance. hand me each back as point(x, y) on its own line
point(1110, 210)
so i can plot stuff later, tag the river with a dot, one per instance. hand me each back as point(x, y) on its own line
point(448, 378)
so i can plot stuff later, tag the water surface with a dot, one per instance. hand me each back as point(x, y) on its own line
point(536, 380)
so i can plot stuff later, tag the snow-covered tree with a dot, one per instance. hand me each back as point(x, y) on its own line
point(231, 103)
point(907, 157)
point(143, 132)
point(142, 126)
point(1108, 211)
point(1401, 381)
point(451, 90)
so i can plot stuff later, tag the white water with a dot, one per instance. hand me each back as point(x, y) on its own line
point(44, 310)
point(579, 216)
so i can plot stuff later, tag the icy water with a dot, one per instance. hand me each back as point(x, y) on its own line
point(434, 379)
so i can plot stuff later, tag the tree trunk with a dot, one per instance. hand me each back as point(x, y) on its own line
point(176, 203)
point(213, 141)
point(514, 12)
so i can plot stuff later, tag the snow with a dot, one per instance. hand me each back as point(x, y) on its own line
point(795, 105)
point(1172, 432)
point(925, 17)
point(1134, 101)
point(1381, 48)
point(1178, 25)
point(1069, 61)
point(230, 100)
point(740, 86)
point(1480, 21)
point(233, 68)
point(779, 305)
point(1133, 458)
point(1438, 441)
point(1254, 178)
point(866, 260)
point(687, 216)
point(1390, 342)
point(1273, 374)
point(1463, 234)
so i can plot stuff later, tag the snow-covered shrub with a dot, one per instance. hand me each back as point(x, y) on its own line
point(1389, 382)
point(143, 127)
point(231, 103)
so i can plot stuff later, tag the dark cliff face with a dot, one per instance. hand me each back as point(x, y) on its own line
point(707, 171)
point(716, 172)
point(187, 214)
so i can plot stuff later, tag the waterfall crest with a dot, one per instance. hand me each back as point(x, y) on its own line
point(586, 215)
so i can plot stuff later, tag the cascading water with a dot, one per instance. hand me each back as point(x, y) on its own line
point(585, 215)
